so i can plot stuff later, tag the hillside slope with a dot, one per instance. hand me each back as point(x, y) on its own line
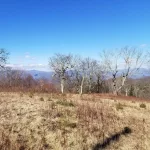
point(50, 121)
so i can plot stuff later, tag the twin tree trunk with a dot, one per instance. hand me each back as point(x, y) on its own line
point(115, 88)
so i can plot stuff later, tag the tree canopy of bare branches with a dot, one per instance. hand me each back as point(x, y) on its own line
point(122, 64)
point(60, 64)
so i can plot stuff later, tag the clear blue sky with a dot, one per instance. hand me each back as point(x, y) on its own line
point(33, 30)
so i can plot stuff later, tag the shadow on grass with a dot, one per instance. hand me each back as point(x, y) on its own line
point(114, 137)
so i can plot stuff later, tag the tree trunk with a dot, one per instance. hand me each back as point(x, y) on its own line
point(115, 92)
point(117, 89)
point(90, 87)
point(81, 87)
point(126, 92)
point(90, 84)
point(114, 87)
point(98, 85)
point(62, 86)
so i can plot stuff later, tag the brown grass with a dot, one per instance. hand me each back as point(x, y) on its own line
point(72, 122)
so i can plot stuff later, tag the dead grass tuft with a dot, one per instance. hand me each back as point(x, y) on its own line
point(41, 99)
point(31, 94)
point(119, 106)
point(143, 105)
point(65, 103)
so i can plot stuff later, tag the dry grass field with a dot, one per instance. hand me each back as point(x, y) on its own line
point(70, 122)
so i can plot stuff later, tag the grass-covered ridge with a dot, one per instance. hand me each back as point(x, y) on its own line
point(71, 122)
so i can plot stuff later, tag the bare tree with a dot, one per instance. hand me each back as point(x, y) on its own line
point(122, 64)
point(60, 64)
point(13, 77)
point(81, 73)
point(99, 73)
point(90, 67)
point(85, 72)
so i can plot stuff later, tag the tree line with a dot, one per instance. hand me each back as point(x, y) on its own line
point(111, 73)
point(20, 80)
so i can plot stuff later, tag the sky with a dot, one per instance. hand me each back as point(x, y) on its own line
point(34, 30)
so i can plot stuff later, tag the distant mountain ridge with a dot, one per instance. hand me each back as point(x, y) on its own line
point(36, 74)
point(143, 72)
point(140, 73)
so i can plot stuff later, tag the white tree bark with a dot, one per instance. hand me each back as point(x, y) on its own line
point(62, 86)
point(81, 87)
point(131, 60)
point(61, 64)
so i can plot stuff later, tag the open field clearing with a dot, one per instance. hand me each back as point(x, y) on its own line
point(45, 122)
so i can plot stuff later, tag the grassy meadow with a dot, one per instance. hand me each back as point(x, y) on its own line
point(34, 121)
